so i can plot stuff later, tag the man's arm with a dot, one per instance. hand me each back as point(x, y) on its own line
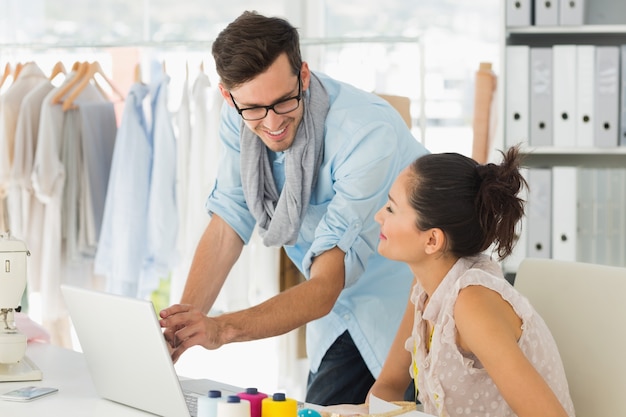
point(280, 314)
point(216, 253)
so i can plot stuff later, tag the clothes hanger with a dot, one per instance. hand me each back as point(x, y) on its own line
point(80, 69)
point(18, 69)
point(138, 73)
point(58, 68)
point(93, 69)
point(5, 75)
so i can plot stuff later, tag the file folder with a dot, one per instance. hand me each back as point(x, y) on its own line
point(518, 12)
point(517, 84)
point(602, 230)
point(586, 244)
point(564, 213)
point(606, 96)
point(622, 128)
point(585, 57)
point(564, 111)
point(511, 263)
point(546, 13)
point(571, 12)
point(539, 213)
point(540, 97)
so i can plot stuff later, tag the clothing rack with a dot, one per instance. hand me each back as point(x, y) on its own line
point(9, 48)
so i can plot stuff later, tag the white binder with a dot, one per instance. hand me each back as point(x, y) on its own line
point(517, 119)
point(606, 96)
point(518, 12)
point(564, 110)
point(622, 104)
point(546, 13)
point(585, 68)
point(539, 213)
point(571, 12)
point(540, 97)
point(511, 263)
point(587, 235)
point(564, 213)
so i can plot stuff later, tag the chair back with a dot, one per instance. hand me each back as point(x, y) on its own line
point(583, 305)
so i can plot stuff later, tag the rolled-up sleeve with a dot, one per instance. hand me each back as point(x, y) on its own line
point(361, 175)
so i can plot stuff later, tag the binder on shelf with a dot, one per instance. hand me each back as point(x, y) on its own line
point(622, 128)
point(540, 97)
point(546, 12)
point(586, 242)
point(539, 213)
point(585, 57)
point(511, 263)
point(564, 102)
point(606, 96)
point(602, 225)
point(616, 239)
point(519, 12)
point(571, 12)
point(517, 121)
point(564, 213)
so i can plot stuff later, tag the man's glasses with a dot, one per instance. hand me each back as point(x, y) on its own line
point(284, 106)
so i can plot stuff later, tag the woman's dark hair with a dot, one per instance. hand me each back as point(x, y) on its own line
point(474, 205)
point(250, 44)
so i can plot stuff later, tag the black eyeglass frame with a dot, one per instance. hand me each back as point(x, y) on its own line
point(271, 107)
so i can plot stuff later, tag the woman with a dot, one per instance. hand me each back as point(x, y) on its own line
point(472, 343)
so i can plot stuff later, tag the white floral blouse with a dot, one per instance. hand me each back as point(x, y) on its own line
point(452, 383)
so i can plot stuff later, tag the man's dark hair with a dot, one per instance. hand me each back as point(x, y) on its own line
point(250, 44)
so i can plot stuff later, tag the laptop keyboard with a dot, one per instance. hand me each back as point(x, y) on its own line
point(192, 403)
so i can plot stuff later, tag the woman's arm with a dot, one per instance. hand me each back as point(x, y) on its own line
point(394, 377)
point(489, 328)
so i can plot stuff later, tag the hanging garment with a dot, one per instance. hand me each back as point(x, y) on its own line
point(26, 134)
point(99, 129)
point(30, 77)
point(49, 183)
point(183, 176)
point(161, 255)
point(122, 244)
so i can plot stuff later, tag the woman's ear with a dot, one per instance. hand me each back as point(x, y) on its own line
point(436, 241)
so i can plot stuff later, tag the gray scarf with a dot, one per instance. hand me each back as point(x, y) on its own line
point(279, 216)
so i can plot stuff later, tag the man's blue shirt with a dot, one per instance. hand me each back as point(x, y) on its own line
point(366, 145)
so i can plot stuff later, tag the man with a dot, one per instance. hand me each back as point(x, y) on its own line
point(309, 160)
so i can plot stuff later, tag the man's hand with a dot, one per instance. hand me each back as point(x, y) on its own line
point(186, 326)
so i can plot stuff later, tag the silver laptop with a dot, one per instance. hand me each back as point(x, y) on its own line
point(127, 355)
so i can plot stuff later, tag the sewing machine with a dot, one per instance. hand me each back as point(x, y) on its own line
point(14, 365)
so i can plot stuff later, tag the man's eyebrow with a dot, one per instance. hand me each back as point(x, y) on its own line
point(287, 95)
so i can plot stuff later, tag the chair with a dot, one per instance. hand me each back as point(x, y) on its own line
point(583, 305)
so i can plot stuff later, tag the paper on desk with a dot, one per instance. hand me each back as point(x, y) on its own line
point(378, 406)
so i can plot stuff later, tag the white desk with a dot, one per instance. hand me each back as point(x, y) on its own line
point(67, 371)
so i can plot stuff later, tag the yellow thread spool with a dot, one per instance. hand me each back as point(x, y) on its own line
point(279, 406)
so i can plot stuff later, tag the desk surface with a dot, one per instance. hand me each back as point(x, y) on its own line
point(67, 371)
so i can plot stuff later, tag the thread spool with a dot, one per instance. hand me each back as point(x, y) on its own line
point(279, 406)
point(307, 412)
point(233, 407)
point(255, 397)
point(207, 405)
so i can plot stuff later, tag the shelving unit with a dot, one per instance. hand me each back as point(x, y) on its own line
point(585, 159)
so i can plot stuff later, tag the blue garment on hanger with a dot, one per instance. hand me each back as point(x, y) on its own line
point(122, 244)
point(162, 208)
